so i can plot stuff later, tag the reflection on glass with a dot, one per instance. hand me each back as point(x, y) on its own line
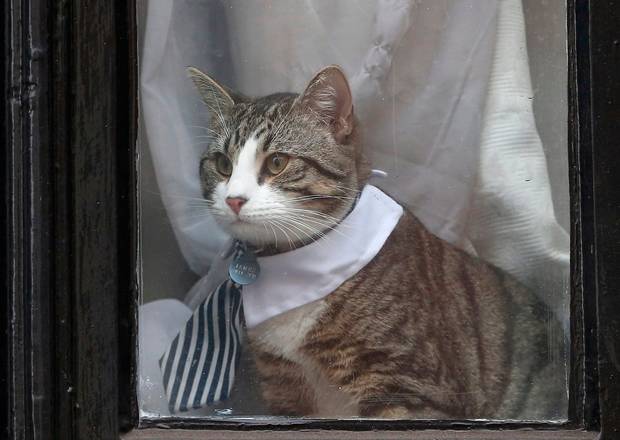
point(348, 211)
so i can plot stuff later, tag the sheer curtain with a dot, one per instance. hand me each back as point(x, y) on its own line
point(442, 89)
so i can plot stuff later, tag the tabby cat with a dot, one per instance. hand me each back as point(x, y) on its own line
point(422, 331)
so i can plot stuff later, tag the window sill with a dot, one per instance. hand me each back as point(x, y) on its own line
point(521, 434)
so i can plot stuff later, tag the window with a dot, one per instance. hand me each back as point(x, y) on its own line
point(71, 219)
point(437, 96)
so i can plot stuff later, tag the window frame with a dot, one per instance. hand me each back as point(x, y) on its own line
point(71, 255)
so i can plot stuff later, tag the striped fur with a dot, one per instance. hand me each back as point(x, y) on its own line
point(423, 331)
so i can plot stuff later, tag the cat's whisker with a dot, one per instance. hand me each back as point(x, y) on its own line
point(318, 213)
point(275, 236)
point(195, 144)
point(320, 216)
point(218, 111)
point(210, 130)
point(315, 218)
point(301, 233)
point(186, 143)
point(276, 224)
point(222, 121)
point(198, 136)
point(290, 227)
point(318, 226)
point(319, 221)
point(348, 188)
point(301, 202)
point(283, 209)
point(322, 196)
point(325, 226)
point(224, 125)
point(313, 232)
point(311, 215)
point(263, 241)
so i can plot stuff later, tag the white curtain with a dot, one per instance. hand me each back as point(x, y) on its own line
point(443, 91)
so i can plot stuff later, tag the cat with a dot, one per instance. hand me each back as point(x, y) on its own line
point(422, 331)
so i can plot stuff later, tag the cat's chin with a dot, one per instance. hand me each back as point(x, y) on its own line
point(269, 240)
point(251, 234)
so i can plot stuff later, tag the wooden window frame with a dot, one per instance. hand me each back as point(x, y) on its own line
point(68, 363)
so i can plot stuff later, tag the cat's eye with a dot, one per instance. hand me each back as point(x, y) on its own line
point(276, 163)
point(223, 165)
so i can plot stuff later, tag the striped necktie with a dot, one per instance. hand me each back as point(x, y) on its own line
point(199, 366)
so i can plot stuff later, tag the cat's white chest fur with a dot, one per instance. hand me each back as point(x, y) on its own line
point(283, 335)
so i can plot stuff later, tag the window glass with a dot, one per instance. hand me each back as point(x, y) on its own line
point(354, 209)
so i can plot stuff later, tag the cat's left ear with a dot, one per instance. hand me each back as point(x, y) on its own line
point(328, 96)
point(217, 97)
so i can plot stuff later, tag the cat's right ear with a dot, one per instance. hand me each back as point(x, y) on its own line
point(217, 98)
point(328, 97)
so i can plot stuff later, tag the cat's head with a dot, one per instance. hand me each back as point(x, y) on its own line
point(283, 169)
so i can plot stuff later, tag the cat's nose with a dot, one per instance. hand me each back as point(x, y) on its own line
point(235, 203)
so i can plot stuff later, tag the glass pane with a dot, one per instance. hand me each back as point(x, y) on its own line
point(383, 239)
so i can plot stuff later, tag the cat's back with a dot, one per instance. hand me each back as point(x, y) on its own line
point(427, 327)
point(433, 326)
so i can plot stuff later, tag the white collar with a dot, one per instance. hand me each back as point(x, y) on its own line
point(311, 272)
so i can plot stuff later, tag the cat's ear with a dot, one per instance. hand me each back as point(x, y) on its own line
point(217, 97)
point(328, 96)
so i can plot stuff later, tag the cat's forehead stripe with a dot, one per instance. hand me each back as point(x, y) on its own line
point(244, 132)
point(257, 119)
point(261, 131)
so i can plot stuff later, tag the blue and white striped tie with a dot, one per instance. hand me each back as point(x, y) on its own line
point(199, 366)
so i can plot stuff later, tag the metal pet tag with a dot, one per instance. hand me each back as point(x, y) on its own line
point(244, 268)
